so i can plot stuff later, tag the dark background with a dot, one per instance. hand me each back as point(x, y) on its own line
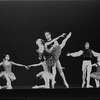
point(22, 23)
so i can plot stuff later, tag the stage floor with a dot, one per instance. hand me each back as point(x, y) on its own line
point(60, 92)
point(56, 87)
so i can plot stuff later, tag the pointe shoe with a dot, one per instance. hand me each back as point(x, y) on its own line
point(9, 88)
point(89, 86)
point(53, 84)
point(66, 85)
point(46, 87)
point(35, 87)
point(82, 85)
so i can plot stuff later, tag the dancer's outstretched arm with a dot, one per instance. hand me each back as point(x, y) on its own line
point(55, 39)
point(65, 40)
point(18, 64)
point(96, 54)
point(94, 65)
point(75, 54)
point(39, 64)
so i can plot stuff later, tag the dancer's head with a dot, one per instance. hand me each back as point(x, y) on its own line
point(39, 42)
point(7, 57)
point(48, 36)
point(87, 45)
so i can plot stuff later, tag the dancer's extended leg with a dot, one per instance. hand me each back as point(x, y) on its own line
point(62, 73)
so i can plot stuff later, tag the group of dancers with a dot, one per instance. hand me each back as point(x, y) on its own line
point(49, 53)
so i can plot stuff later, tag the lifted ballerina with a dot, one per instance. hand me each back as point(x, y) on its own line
point(8, 74)
point(86, 66)
point(54, 47)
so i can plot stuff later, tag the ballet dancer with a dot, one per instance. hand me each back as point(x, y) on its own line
point(53, 45)
point(96, 75)
point(8, 74)
point(45, 74)
point(87, 65)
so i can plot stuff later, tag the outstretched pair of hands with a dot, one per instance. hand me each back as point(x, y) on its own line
point(27, 67)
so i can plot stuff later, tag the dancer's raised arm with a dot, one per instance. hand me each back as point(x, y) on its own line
point(75, 54)
point(55, 39)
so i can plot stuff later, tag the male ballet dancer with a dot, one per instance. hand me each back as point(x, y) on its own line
point(87, 65)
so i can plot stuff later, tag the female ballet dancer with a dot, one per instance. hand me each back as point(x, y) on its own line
point(45, 74)
point(8, 74)
point(96, 75)
point(87, 65)
point(55, 48)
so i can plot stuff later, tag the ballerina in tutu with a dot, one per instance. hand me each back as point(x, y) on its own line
point(45, 74)
point(8, 74)
point(96, 75)
point(55, 48)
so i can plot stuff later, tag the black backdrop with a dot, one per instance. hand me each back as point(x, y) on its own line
point(21, 23)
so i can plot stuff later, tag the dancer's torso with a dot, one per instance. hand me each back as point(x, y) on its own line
point(7, 66)
point(48, 56)
point(87, 54)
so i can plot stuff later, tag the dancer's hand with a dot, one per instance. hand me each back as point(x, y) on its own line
point(63, 67)
point(29, 66)
point(26, 67)
point(69, 35)
point(39, 58)
point(68, 54)
point(63, 34)
point(37, 75)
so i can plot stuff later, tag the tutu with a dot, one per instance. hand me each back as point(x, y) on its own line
point(53, 56)
point(10, 75)
point(44, 74)
point(56, 52)
point(96, 75)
